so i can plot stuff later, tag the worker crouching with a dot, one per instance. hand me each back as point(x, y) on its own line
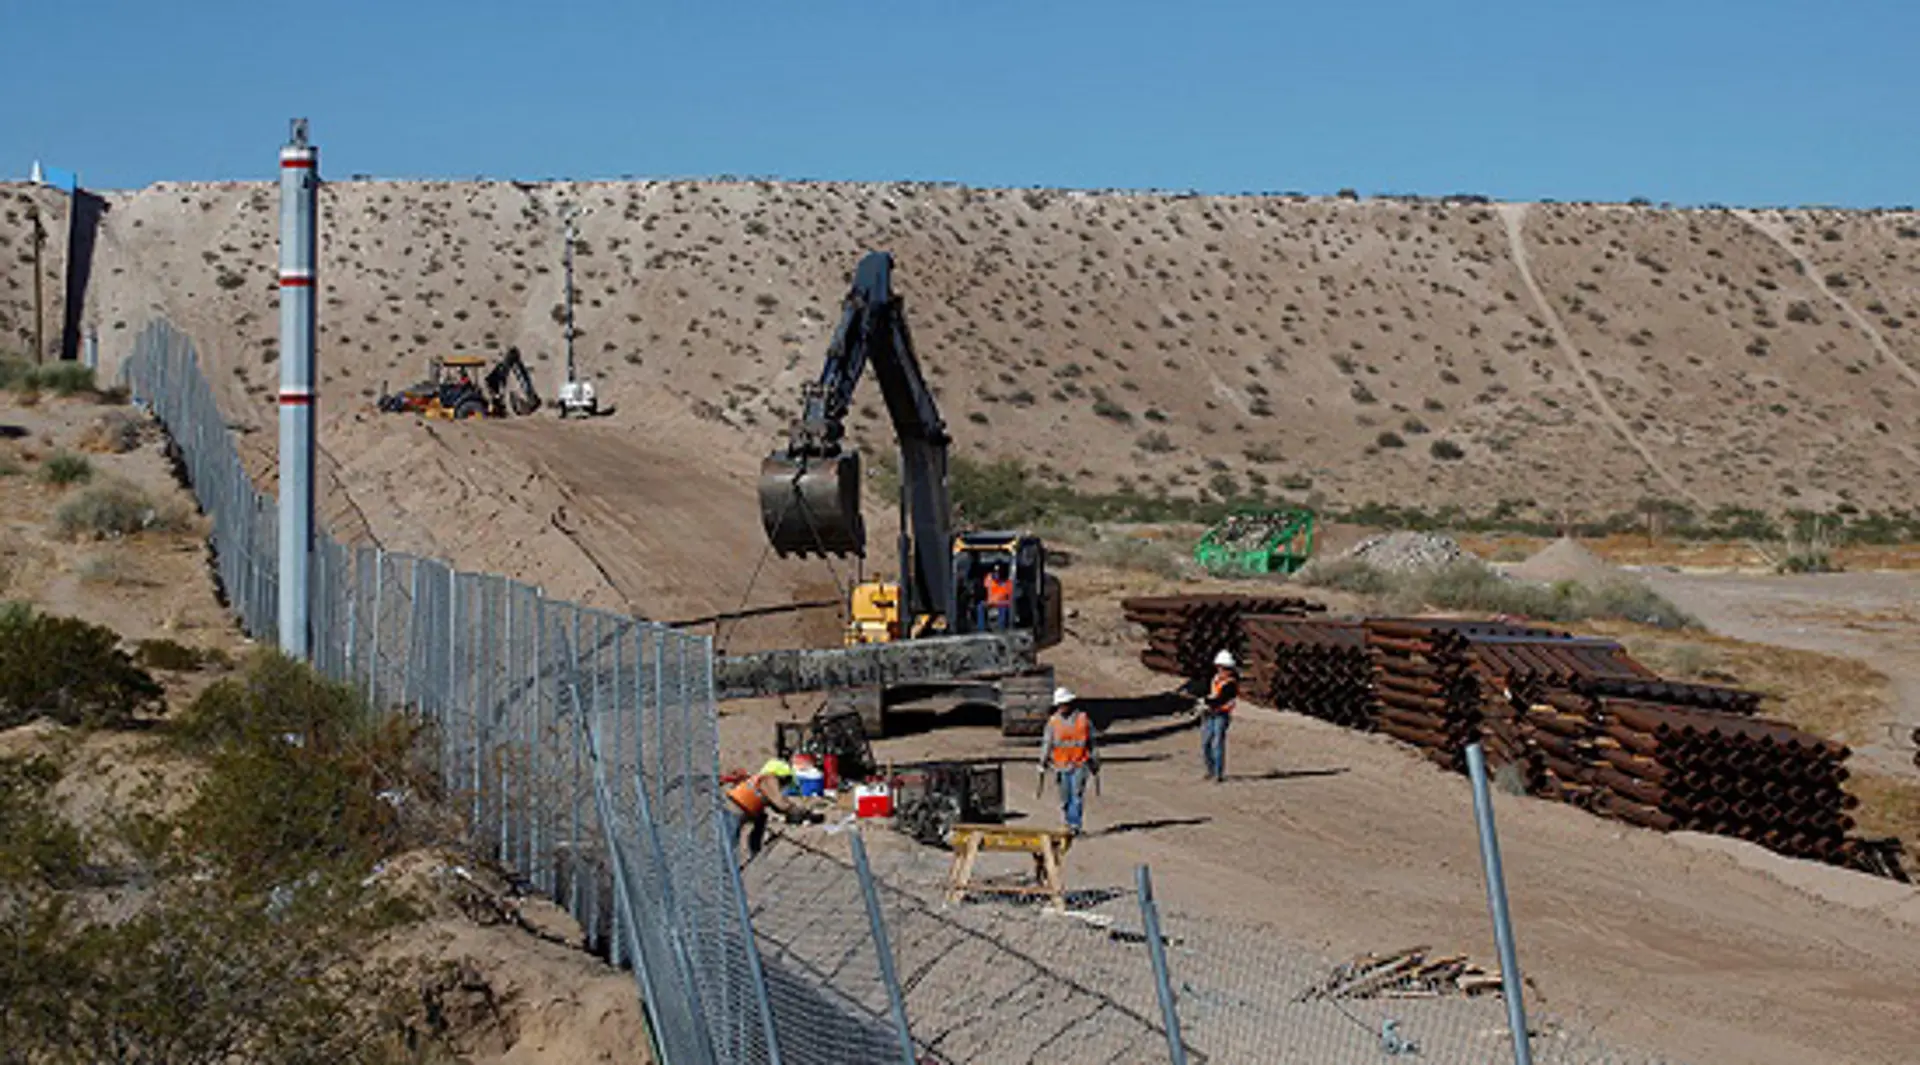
point(749, 801)
point(1066, 748)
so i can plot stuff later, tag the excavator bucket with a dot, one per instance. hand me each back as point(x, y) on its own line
point(812, 506)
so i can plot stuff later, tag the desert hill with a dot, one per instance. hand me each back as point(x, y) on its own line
point(1564, 359)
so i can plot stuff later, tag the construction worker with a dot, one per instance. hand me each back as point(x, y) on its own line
point(749, 800)
point(996, 609)
point(1066, 748)
point(1216, 713)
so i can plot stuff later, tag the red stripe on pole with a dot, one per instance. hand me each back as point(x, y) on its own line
point(292, 163)
point(292, 281)
point(296, 399)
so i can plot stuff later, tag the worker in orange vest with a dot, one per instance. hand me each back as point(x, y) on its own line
point(1216, 713)
point(749, 801)
point(1066, 748)
point(996, 608)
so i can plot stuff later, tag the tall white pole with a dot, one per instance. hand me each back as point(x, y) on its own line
point(569, 212)
point(299, 193)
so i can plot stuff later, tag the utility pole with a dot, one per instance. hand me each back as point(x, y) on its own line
point(39, 313)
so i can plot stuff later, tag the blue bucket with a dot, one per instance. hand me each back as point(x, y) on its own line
point(811, 781)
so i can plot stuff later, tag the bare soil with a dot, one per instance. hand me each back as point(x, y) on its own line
point(1345, 843)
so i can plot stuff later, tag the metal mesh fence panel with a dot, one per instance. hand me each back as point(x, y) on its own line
point(578, 747)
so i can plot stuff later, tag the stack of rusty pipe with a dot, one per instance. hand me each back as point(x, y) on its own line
point(1184, 632)
point(1673, 767)
point(1431, 694)
point(1314, 666)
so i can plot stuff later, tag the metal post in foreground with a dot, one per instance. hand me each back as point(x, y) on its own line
point(1497, 902)
point(883, 948)
point(299, 187)
point(1157, 950)
point(756, 974)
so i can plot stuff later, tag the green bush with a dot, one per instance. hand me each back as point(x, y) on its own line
point(176, 657)
point(61, 378)
point(15, 373)
point(64, 468)
point(304, 777)
point(69, 671)
point(36, 847)
point(105, 511)
point(64, 379)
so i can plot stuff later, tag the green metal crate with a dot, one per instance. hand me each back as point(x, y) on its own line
point(1257, 541)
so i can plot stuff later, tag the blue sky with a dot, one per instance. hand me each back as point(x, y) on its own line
point(1693, 101)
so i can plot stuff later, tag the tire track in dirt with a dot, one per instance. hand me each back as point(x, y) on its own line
point(1512, 215)
point(1771, 231)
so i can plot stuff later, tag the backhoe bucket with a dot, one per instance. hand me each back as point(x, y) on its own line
point(812, 506)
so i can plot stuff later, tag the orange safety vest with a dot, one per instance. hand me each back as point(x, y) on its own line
point(1071, 737)
point(999, 591)
point(746, 795)
point(1221, 679)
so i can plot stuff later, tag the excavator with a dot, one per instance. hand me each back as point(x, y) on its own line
point(810, 506)
point(450, 390)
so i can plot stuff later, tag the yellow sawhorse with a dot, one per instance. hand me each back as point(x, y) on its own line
point(1048, 847)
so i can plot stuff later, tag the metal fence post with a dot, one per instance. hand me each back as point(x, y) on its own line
point(573, 834)
point(511, 696)
point(1157, 950)
point(373, 625)
point(895, 1001)
point(536, 736)
point(1497, 902)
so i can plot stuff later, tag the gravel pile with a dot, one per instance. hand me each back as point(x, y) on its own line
point(1408, 552)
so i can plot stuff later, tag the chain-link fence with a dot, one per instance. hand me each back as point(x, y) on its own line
point(580, 746)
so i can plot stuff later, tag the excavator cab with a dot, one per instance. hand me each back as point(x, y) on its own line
point(982, 556)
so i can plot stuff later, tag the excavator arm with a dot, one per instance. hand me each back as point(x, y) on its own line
point(810, 491)
point(528, 399)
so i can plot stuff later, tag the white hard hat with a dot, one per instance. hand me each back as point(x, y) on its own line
point(1224, 658)
point(1062, 696)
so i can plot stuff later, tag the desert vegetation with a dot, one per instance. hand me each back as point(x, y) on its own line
point(223, 911)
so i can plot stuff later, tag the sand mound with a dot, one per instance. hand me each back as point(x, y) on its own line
point(1565, 560)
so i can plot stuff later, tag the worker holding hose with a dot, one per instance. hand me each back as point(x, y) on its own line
point(1216, 713)
point(1066, 747)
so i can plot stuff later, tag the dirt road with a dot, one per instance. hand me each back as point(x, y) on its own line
point(1872, 617)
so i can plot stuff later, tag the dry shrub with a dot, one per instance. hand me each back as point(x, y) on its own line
point(113, 510)
point(115, 432)
point(1889, 806)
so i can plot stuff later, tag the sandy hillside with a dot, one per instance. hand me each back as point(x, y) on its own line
point(1580, 358)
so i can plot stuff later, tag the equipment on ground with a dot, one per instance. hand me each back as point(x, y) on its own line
point(1273, 541)
point(575, 394)
point(838, 735)
point(456, 388)
point(932, 797)
point(577, 397)
point(810, 505)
